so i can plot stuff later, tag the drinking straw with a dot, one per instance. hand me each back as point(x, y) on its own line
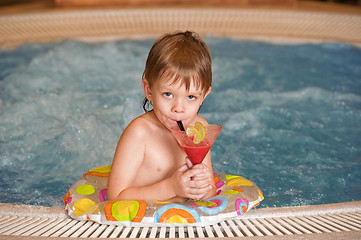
point(180, 125)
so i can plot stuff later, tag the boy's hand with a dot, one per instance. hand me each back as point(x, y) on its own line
point(206, 175)
point(192, 182)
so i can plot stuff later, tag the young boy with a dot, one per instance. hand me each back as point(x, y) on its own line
point(148, 163)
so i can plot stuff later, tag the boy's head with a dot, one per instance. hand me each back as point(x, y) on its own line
point(181, 56)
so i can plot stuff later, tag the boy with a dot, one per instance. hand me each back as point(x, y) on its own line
point(148, 163)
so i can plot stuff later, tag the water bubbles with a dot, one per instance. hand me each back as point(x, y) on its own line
point(291, 120)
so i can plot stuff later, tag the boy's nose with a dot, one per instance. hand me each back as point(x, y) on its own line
point(178, 107)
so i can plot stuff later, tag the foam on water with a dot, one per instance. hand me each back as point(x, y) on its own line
point(291, 116)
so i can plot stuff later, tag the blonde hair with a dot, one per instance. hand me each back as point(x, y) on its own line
point(181, 56)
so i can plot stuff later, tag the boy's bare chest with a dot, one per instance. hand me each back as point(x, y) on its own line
point(161, 159)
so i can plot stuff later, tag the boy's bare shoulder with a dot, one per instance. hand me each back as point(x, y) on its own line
point(138, 123)
point(140, 126)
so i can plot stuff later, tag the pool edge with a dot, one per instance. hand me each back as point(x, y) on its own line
point(266, 25)
point(304, 210)
point(21, 214)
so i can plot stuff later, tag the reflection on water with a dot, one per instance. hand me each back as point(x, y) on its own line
point(291, 116)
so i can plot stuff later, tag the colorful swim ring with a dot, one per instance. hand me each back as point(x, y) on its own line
point(86, 199)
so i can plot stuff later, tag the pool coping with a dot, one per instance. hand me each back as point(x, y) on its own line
point(274, 25)
point(304, 210)
point(261, 214)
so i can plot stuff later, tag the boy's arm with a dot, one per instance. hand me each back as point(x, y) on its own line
point(161, 191)
point(175, 188)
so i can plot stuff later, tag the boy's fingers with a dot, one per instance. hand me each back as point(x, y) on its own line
point(201, 176)
point(197, 193)
point(183, 168)
point(189, 163)
point(200, 183)
point(203, 166)
point(191, 173)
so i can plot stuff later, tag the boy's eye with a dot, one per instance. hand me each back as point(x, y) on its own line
point(191, 97)
point(167, 94)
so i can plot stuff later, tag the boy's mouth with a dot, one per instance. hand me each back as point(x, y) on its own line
point(176, 122)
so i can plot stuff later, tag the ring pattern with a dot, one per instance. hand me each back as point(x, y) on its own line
point(176, 213)
point(86, 199)
point(212, 205)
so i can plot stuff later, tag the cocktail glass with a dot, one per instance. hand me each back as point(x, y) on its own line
point(197, 152)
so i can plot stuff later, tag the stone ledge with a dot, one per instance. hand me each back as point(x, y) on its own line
point(223, 3)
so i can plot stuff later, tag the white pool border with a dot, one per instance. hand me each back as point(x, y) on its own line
point(277, 26)
point(338, 220)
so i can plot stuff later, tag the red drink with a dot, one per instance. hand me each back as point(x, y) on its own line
point(197, 152)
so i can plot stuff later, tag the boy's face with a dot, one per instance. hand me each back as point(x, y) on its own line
point(172, 102)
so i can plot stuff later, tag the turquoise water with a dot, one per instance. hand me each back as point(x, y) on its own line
point(291, 116)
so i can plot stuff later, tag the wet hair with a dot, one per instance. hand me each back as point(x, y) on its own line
point(180, 56)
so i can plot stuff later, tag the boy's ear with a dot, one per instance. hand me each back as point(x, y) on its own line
point(206, 94)
point(147, 90)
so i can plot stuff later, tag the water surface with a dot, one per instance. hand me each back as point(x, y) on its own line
point(291, 116)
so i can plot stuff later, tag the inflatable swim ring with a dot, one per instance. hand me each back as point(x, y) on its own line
point(86, 199)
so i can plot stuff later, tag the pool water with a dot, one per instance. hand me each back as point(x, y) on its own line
point(291, 116)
